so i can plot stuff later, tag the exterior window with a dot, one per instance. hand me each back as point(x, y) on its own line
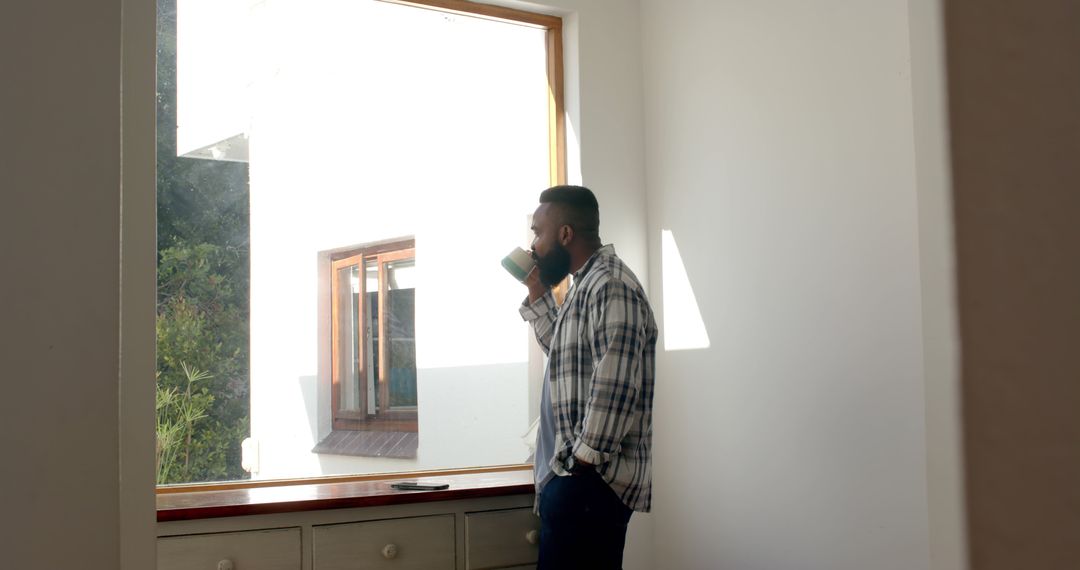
point(373, 311)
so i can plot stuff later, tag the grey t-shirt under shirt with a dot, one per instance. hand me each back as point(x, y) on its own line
point(545, 439)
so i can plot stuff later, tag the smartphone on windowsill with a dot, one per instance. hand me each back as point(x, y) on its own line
point(417, 486)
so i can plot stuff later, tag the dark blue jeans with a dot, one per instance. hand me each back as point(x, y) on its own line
point(582, 524)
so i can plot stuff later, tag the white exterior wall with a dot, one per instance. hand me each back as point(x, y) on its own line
point(212, 73)
point(780, 153)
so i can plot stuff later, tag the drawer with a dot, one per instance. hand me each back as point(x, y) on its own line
point(420, 543)
point(277, 549)
point(501, 539)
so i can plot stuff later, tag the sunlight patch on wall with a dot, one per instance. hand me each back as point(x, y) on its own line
point(683, 326)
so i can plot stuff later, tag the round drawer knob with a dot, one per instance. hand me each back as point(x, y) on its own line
point(226, 564)
point(533, 536)
point(389, 551)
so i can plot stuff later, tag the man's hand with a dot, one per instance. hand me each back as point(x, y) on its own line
point(536, 288)
point(581, 467)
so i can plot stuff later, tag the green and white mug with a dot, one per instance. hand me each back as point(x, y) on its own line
point(518, 263)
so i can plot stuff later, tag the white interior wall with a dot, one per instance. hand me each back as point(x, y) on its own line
point(60, 157)
point(945, 495)
point(780, 153)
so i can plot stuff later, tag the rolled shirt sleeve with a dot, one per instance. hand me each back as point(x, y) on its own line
point(541, 315)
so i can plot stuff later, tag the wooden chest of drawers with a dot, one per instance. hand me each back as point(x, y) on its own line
point(474, 534)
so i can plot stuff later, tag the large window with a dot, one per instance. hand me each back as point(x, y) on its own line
point(338, 182)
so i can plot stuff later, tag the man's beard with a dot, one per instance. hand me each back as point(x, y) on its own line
point(555, 266)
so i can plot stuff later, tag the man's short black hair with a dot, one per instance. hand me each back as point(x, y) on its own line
point(576, 207)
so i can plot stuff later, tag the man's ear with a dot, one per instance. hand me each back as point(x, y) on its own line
point(566, 235)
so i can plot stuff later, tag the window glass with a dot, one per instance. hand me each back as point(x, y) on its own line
point(338, 182)
point(347, 344)
point(401, 333)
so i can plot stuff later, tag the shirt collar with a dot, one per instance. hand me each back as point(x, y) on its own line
point(605, 250)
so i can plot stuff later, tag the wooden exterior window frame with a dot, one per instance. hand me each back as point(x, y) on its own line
point(381, 420)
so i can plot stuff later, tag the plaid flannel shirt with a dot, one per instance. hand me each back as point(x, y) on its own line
point(601, 347)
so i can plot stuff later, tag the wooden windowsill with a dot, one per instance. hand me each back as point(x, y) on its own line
point(337, 495)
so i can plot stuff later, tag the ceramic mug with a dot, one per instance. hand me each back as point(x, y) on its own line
point(519, 263)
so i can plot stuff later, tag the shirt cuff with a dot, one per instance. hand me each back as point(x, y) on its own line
point(590, 455)
point(538, 308)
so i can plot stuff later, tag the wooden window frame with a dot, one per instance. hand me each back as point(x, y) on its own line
point(553, 27)
point(388, 420)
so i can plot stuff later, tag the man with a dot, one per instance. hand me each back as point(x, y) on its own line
point(593, 460)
